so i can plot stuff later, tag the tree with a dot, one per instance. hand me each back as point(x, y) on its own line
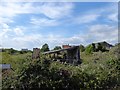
point(57, 48)
point(89, 49)
point(10, 51)
point(82, 48)
point(45, 48)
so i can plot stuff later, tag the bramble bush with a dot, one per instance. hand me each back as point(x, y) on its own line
point(96, 74)
point(45, 74)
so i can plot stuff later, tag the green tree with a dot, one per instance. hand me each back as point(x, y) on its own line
point(45, 48)
point(57, 48)
point(89, 49)
point(82, 48)
point(10, 51)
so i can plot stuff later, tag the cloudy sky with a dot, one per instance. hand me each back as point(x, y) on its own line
point(31, 24)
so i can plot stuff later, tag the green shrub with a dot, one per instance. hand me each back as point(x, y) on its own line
point(104, 74)
point(82, 48)
point(89, 49)
point(57, 48)
point(45, 48)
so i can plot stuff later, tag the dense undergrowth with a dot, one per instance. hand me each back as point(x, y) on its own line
point(98, 71)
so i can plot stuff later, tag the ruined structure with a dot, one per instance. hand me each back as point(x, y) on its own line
point(71, 54)
point(36, 53)
point(66, 46)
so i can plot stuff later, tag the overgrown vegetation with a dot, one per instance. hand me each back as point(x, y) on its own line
point(45, 48)
point(100, 70)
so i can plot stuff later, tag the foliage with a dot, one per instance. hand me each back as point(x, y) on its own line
point(57, 48)
point(16, 60)
point(24, 52)
point(44, 74)
point(89, 49)
point(101, 47)
point(99, 71)
point(82, 48)
point(96, 47)
point(10, 51)
point(45, 48)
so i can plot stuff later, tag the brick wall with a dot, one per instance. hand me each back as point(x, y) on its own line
point(65, 46)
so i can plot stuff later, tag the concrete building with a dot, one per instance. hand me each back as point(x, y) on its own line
point(71, 54)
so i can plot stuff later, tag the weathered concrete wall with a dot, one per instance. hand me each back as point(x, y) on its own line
point(73, 54)
point(36, 53)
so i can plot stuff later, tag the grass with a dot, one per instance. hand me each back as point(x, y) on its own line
point(16, 60)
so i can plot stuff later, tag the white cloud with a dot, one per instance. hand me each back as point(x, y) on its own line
point(27, 38)
point(51, 10)
point(15, 36)
point(7, 31)
point(88, 18)
point(5, 26)
point(113, 17)
point(5, 20)
point(44, 22)
point(34, 40)
point(103, 33)
point(18, 31)
point(56, 10)
point(18, 42)
point(4, 29)
point(7, 34)
point(11, 9)
point(108, 13)
point(95, 33)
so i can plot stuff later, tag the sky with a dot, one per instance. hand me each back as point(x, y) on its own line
point(32, 24)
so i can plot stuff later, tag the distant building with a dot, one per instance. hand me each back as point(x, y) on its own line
point(24, 49)
point(104, 44)
point(65, 46)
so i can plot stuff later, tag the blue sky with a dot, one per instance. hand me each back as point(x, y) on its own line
point(31, 24)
